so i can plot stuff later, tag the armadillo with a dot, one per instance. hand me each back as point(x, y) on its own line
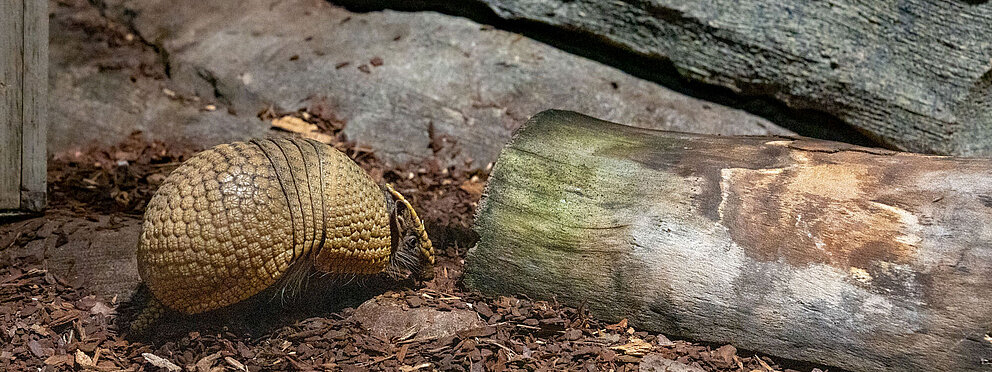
point(235, 219)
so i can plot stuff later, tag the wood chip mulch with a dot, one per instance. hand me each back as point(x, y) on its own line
point(46, 324)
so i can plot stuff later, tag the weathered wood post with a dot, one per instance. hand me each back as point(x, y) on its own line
point(860, 258)
point(23, 103)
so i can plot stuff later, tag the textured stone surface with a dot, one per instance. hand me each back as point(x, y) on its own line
point(914, 74)
point(658, 363)
point(390, 319)
point(101, 262)
point(96, 253)
point(393, 76)
point(102, 108)
point(103, 87)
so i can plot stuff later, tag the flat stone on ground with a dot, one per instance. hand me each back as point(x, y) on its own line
point(658, 363)
point(97, 254)
point(389, 319)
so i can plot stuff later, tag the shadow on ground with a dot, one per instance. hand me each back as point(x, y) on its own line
point(262, 314)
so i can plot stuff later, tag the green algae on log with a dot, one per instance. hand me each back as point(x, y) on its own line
point(860, 258)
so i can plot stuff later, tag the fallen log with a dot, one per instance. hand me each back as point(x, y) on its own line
point(860, 258)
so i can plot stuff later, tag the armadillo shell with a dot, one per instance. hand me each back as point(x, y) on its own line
point(229, 222)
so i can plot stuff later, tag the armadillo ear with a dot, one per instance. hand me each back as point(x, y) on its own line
point(395, 225)
point(426, 247)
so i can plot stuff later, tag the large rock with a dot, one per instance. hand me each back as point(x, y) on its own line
point(392, 75)
point(913, 74)
point(92, 107)
point(105, 84)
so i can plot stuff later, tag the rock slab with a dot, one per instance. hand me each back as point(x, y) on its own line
point(916, 75)
point(390, 319)
point(94, 253)
point(401, 81)
point(105, 84)
point(658, 363)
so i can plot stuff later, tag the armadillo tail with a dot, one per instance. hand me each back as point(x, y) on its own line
point(152, 312)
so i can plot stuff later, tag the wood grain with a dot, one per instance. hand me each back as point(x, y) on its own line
point(11, 66)
point(860, 258)
point(35, 105)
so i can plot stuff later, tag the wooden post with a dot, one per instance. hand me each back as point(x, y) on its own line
point(860, 258)
point(23, 103)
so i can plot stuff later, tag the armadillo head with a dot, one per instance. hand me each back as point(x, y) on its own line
point(411, 248)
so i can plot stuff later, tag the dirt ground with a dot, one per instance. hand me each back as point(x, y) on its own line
point(63, 309)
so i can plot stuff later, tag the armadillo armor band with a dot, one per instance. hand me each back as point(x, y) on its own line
point(232, 220)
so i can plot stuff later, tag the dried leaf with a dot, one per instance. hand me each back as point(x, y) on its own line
point(474, 188)
point(293, 124)
point(622, 325)
point(154, 360)
point(634, 346)
point(83, 359)
point(763, 364)
point(400, 355)
point(297, 125)
point(319, 137)
point(39, 329)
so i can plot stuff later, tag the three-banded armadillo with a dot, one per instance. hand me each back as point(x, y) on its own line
point(234, 219)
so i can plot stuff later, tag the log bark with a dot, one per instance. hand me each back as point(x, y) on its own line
point(860, 258)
